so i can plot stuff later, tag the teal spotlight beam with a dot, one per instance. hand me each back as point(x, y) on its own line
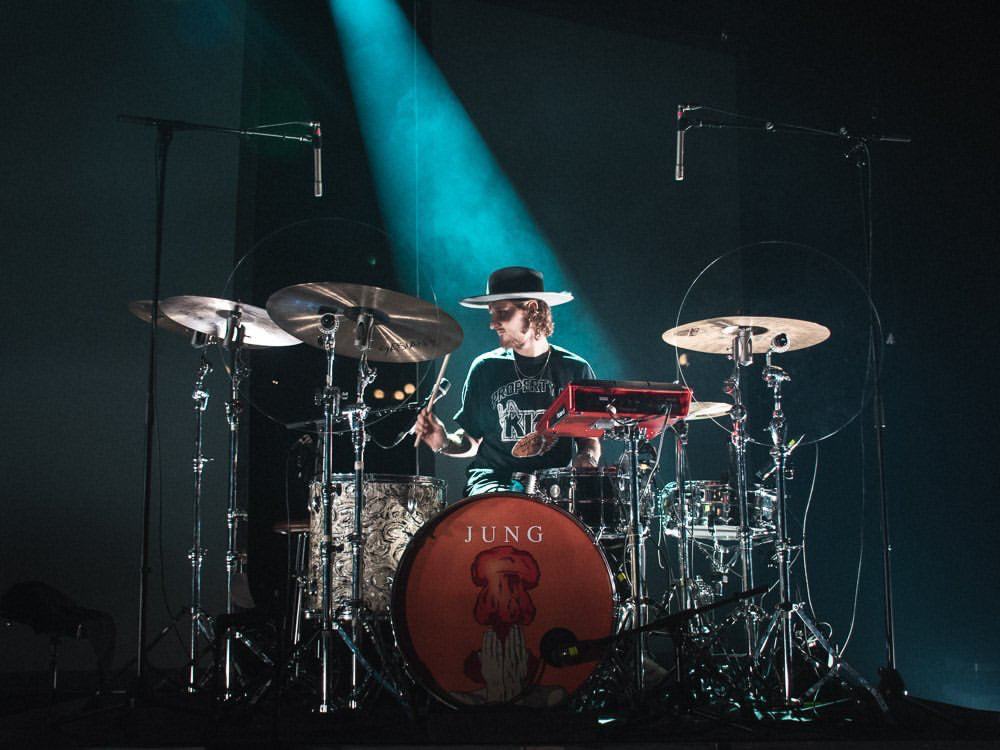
point(452, 212)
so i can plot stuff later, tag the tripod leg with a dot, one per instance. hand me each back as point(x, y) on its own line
point(839, 665)
point(762, 645)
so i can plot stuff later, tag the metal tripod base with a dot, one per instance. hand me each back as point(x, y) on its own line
point(836, 666)
point(324, 642)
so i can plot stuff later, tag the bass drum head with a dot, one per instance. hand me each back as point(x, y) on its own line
point(482, 583)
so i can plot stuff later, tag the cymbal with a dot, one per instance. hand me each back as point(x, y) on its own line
point(707, 410)
point(715, 335)
point(143, 310)
point(404, 329)
point(211, 315)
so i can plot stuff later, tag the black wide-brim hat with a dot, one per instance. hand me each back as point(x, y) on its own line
point(516, 282)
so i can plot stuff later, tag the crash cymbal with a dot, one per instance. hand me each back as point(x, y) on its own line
point(143, 310)
point(715, 335)
point(404, 329)
point(211, 315)
point(707, 410)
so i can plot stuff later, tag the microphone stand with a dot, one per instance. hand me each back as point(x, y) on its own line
point(165, 130)
point(891, 682)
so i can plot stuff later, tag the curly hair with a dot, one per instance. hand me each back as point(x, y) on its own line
point(539, 316)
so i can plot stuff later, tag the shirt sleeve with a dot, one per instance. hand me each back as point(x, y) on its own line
point(467, 416)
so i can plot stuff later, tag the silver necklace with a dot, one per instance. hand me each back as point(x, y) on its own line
point(545, 364)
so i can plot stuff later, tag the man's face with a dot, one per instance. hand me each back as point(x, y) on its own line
point(510, 323)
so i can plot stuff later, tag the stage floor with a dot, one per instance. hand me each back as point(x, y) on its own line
point(76, 717)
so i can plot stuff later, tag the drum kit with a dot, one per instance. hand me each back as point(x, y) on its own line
point(532, 597)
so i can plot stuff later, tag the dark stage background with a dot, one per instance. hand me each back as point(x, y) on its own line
point(576, 103)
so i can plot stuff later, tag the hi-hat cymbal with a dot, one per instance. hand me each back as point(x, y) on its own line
point(715, 335)
point(707, 410)
point(211, 315)
point(404, 328)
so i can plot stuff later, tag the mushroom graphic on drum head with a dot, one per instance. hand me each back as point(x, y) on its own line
point(504, 664)
point(505, 575)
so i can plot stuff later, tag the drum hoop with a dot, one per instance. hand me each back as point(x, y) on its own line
point(581, 471)
point(416, 669)
point(348, 478)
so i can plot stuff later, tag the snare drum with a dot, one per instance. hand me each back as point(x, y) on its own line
point(395, 507)
point(480, 586)
point(594, 495)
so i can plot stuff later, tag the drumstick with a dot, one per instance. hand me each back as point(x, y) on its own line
point(434, 390)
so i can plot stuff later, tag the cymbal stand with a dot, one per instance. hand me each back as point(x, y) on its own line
point(785, 610)
point(684, 549)
point(357, 413)
point(684, 555)
point(636, 558)
point(742, 356)
point(235, 560)
point(200, 622)
point(330, 400)
point(628, 431)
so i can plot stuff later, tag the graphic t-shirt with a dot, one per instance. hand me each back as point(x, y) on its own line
point(502, 403)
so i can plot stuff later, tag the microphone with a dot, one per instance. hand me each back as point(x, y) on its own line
point(317, 141)
point(559, 647)
point(679, 167)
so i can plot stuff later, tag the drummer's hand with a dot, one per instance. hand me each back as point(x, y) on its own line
point(585, 460)
point(430, 429)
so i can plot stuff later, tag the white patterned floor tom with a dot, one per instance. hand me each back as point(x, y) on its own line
point(395, 507)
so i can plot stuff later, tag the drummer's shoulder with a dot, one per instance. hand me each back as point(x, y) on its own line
point(494, 354)
point(568, 356)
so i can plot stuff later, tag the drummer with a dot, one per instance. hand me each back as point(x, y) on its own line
point(509, 388)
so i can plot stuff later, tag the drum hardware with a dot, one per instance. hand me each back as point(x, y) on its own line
point(626, 411)
point(560, 647)
point(298, 574)
point(525, 482)
point(201, 623)
point(235, 560)
point(738, 337)
point(785, 610)
point(388, 327)
point(236, 326)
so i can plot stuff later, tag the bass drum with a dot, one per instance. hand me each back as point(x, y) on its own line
point(395, 507)
point(480, 586)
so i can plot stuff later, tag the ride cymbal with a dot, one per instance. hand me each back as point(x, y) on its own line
point(715, 335)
